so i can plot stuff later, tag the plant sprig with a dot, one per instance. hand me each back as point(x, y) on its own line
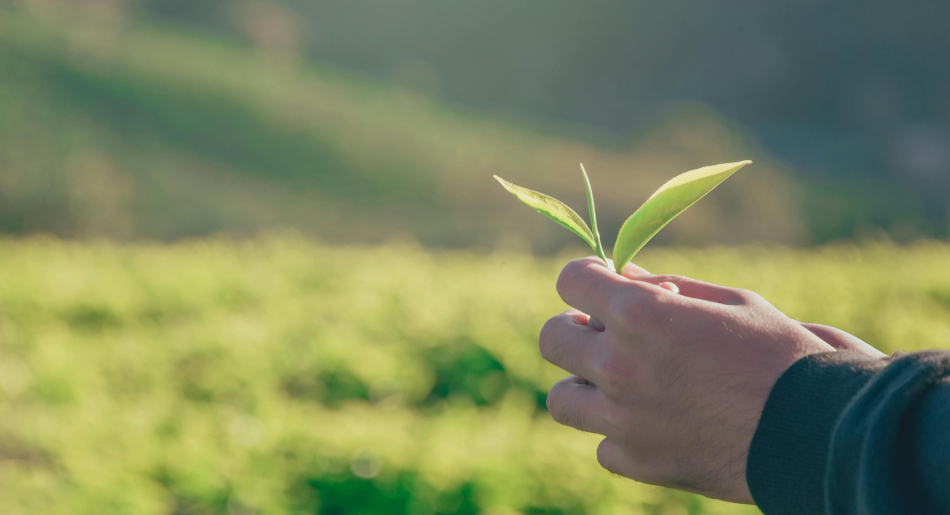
point(599, 247)
point(664, 205)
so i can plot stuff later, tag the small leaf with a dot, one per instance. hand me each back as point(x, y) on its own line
point(669, 201)
point(552, 208)
point(598, 246)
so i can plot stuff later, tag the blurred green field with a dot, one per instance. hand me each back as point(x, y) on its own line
point(280, 375)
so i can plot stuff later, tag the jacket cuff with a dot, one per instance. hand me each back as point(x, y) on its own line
point(788, 456)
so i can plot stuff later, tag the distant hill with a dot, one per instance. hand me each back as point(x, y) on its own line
point(850, 94)
point(117, 128)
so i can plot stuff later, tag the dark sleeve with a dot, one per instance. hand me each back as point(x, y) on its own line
point(844, 434)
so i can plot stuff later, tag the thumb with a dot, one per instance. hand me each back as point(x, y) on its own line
point(842, 340)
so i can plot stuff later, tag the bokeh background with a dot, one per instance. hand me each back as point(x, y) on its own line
point(253, 261)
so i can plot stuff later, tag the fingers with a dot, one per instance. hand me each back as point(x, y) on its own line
point(587, 285)
point(631, 270)
point(842, 340)
point(591, 287)
point(596, 325)
point(612, 457)
point(695, 289)
point(566, 342)
point(591, 269)
point(616, 461)
point(576, 403)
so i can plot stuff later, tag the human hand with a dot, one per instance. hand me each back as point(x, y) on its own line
point(676, 382)
point(840, 340)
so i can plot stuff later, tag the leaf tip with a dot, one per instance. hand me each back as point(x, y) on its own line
point(741, 164)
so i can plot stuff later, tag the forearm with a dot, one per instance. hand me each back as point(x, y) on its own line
point(843, 433)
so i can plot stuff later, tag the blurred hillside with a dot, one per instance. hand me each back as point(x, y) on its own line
point(114, 125)
point(851, 94)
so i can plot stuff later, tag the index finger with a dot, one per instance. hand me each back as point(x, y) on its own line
point(588, 285)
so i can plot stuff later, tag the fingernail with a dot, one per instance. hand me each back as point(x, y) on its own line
point(595, 324)
point(670, 286)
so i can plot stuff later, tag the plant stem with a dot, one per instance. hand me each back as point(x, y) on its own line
point(593, 219)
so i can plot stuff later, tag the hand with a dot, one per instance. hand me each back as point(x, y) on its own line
point(674, 376)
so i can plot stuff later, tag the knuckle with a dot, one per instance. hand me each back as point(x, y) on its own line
point(546, 337)
point(553, 401)
point(558, 407)
point(676, 279)
point(748, 297)
point(569, 276)
point(605, 457)
point(622, 306)
point(614, 373)
point(578, 276)
point(633, 462)
point(633, 305)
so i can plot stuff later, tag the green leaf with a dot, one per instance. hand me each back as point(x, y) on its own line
point(552, 208)
point(598, 246)
point(669, 201)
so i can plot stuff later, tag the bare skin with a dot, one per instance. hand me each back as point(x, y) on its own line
point(673, 372)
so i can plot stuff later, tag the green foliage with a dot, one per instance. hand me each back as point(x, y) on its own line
point(663, 206)
point(666, 204)
point(553, 209)
point(285, 376)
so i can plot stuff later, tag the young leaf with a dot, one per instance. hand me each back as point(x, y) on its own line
point(669, 201)
point(552, 208)
point(598, 246)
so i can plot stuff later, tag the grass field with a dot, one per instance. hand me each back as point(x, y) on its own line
point(279, 375)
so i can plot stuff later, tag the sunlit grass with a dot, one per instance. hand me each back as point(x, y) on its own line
point(289, 376)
